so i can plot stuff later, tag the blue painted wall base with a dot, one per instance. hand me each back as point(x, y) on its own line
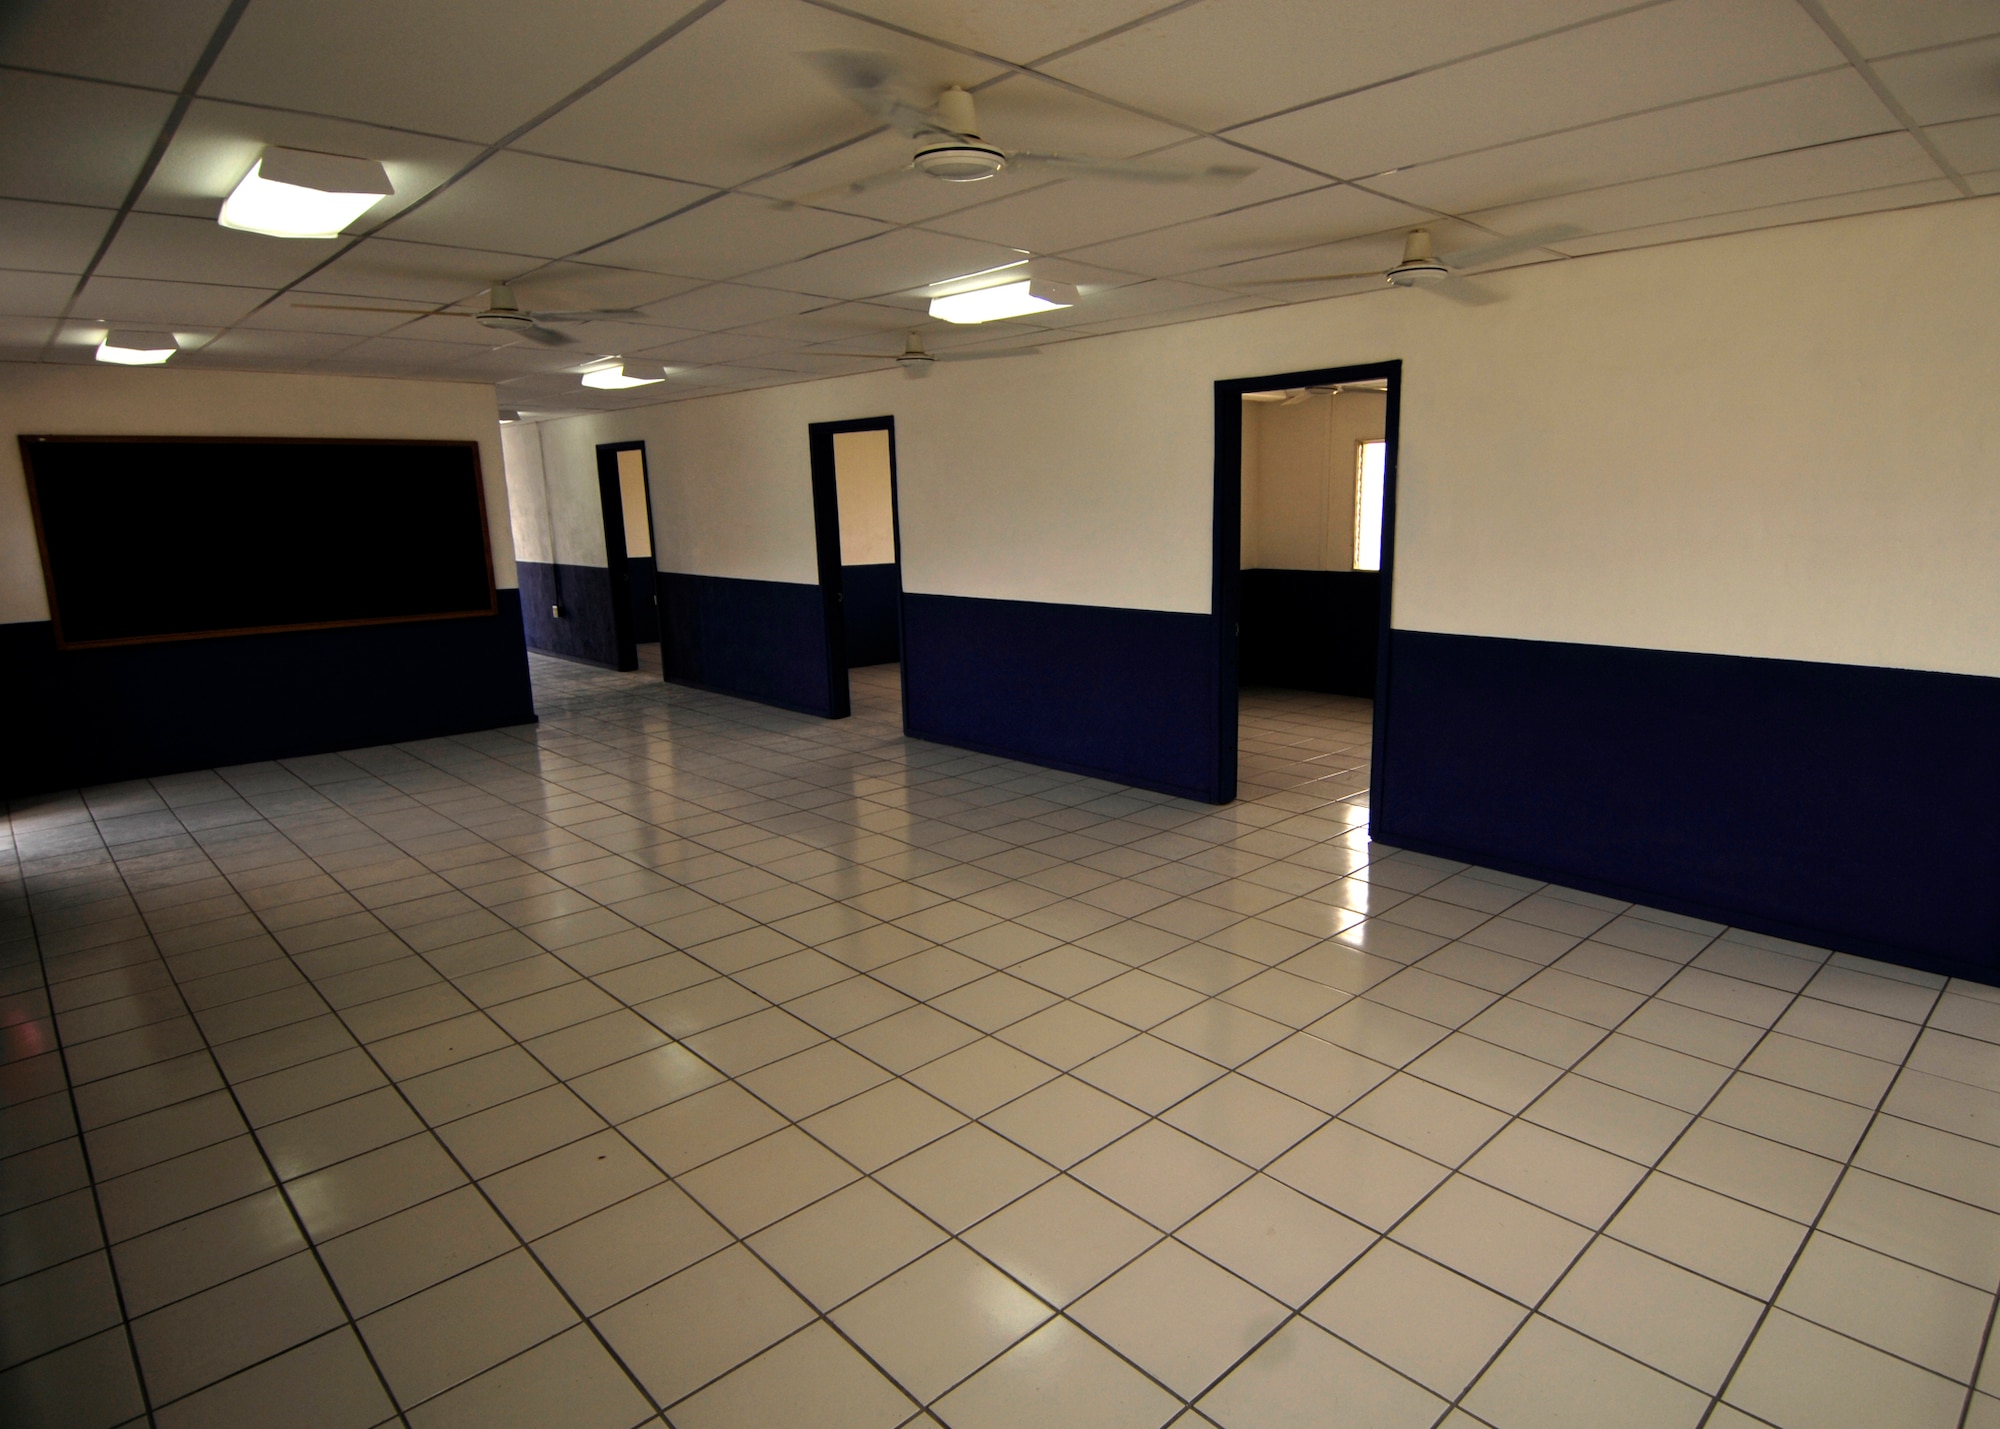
point(1847, 806)
point(763, 640)
point(868, 595)
point(585, 630)
point(79, 717)
point(1127, 695)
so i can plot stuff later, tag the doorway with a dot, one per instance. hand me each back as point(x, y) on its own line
point(625, 496)
point(859, 547)
point(1304, 554)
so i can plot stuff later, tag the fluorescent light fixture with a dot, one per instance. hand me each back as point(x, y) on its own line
point(626, 374)
point(137, 349)
point(290, 193)
point(1008, 300)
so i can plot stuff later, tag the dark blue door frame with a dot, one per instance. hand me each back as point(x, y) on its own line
point(826, 539)
point(1226, 563)
point(611, 497)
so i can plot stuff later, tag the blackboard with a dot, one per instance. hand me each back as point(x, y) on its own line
point(162, 538)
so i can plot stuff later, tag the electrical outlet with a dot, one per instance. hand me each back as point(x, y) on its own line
point(555, 611)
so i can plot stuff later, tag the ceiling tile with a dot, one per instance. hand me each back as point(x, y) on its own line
point(24, 338)
point(731, 98)
point(54, 237)
point(469, 69)
point(1017, 32)
point(908, 196)
point(1663, 55)
point(894, 263)
point(1972, 146)
point(1371, 254)
point(150, 301)
point(568, 286)
point(730, 305)
point(406, 355)
point(73, 140)
point(838, 323)
point(242, 347)
point(1026, 111)
point(1801, 211)
point(35, 294)
point(1179, 315)
point(1158, 295)
point(200, 250)
point(216, 144)
point(110, 39)
point(712, 348)
point(522, 204)
point(1058, 217)
point(734, 235)
point(1321, 216)
point(1229, 61)
point(1789, 115)
point(1938, 86)
point(415, 272)
point(1885, 27)
point(1827, 170)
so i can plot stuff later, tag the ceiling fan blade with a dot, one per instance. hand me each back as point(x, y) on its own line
point(358, 308)
point(547, 336)
point(870, 356)
point(849, 189)
point(1464, 291)
point(872, 82)
point(1311, 278)
point(1508, 247)
point(982, 356)
point(1142, 171)
point(585, 315)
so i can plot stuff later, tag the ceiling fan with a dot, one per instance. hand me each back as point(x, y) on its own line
point(916, 360)
point(1440, 272)
point(1291, 397)
point(501, 313)
point(949, 144)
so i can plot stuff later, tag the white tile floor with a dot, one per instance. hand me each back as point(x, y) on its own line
point(685, 1060)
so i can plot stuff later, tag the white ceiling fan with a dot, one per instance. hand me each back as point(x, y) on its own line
point(1292, 396)
point(1442, 273)
point(950, 146)
point(502, 313)
point(916, 360)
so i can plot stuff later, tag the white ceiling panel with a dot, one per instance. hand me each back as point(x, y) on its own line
point(285, 315)
point(1060, 216)
point(896, 262)
point(1801, 211)
point(713, 348)
point(1022, 31)
point(415, 272)
point(730, 305)
point(404, 354)
point(282, 349)
point(54, 237)
point(23, 338)
point(1663, 55)
point(73, 140)
point(1886, 27)
point(502, 364)
point(1972, 146)
point(469, 69)
point(1821, 172)
point(841, 324)
point(1136, 321)
point(35, 294)
point(1228, 61)
point(171, 305)
point(1029, 112)
point(1321, 216)
point(154, 44)
point(200, 250)
point(731, 98)
point(522, 204)
point(1157, 295)
point(568, 286)
point(734, 235)
point(1372, 253)
point(1790, 115)
point(217, 143)
point(1938, 86)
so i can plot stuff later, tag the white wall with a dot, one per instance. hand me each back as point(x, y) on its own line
point(1780, 444)
point(170, 402)
point(865, 487)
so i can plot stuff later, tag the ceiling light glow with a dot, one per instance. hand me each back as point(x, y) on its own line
point(625, 374)
point(137, 349)
point(1008, 300)
point(290, 193)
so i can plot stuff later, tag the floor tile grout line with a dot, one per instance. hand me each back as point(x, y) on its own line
point(1986, 1350)
point(1770, 1304)
point(89, 1170)
point(291, 1206)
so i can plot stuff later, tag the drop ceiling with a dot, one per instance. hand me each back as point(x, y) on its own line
point(647, 153)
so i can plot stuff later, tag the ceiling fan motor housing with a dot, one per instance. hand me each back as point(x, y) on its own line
point(1418, 274)
point(961, 163)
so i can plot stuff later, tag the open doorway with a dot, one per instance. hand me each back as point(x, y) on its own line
point(860, 571)
point(1304, 545)
point(625, 497)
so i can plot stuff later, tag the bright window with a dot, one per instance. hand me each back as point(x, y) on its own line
point(1369, 463)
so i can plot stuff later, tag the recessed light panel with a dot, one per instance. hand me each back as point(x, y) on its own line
point(1007, 300)
point(137, 349)
point(626, 374)
point(290, 193)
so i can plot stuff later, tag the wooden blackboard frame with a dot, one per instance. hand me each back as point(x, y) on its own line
point(30, 442)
